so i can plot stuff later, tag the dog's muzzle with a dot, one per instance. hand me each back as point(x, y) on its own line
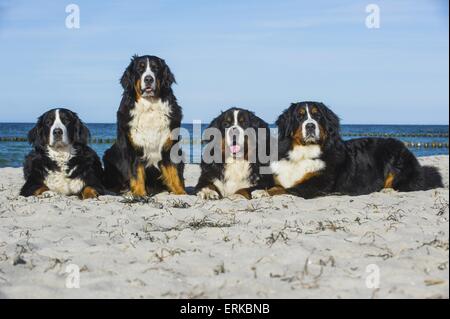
point(311, 134)
point(58, 134)
point(58, 139)
point(234, 140)
point(148, 87)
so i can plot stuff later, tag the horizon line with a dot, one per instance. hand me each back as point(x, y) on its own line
point(205, 123)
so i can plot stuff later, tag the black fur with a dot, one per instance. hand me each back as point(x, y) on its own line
point(213, 171)
point(354, 167)
point(85, 164)
point(122, 159)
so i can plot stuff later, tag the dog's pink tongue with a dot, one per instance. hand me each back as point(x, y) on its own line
point(235, 149)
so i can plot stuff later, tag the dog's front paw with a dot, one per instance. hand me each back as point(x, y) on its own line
point(260, 193)
point(208, 194)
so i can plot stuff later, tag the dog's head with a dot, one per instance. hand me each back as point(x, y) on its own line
point(148, 77)
point(308, 123)
point(58, 128)
point(239, 129)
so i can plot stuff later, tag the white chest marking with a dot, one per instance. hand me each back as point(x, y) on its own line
point(59, 181)
point(302, 160)
point(149, 128)
point(236, 176)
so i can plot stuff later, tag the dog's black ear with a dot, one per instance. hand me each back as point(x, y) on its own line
point(262, 131)
point(167, 77)
point(215, 124)
point(286, 122)
point(257, 122)
point(127, 80)
point(331, 121)
point(81, 132)
point(36, 136)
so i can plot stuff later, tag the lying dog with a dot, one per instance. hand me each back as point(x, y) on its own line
point(231, 163)
point(315, 161)
point(61, 161)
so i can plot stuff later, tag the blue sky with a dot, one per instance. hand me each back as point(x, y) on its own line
point(257, 54)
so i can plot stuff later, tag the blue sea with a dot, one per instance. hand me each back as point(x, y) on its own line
point(12, 153)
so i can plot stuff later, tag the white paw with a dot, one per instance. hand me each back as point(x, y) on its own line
point(49, 194)
point(208, 194)
point(260, 193)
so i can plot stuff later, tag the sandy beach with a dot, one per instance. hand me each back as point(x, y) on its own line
point(384, 245)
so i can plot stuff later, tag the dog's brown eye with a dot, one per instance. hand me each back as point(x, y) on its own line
point(302, 112)
point(314, 110)
point(142, 65)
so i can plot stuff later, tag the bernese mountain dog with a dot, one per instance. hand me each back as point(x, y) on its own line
point(61, 160)
point(147, 158)
point(314, 160)
point(231, 165)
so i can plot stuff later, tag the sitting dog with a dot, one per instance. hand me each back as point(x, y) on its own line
point(315, 161)
point(141, 159)
point(61, 161)
point(233, 167)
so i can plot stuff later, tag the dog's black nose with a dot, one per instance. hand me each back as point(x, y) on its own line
point(57, 132)
point(149, 80)
point(310, 127)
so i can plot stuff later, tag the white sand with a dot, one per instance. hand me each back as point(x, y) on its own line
point(182, 247)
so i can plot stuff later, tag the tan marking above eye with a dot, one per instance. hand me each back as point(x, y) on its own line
point(314, 110)
point(302, 111)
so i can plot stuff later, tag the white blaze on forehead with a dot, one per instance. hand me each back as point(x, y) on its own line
point(148, 71)
point(307, 111)
point(308, 121)
point(236, 113)
point(58, 124)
